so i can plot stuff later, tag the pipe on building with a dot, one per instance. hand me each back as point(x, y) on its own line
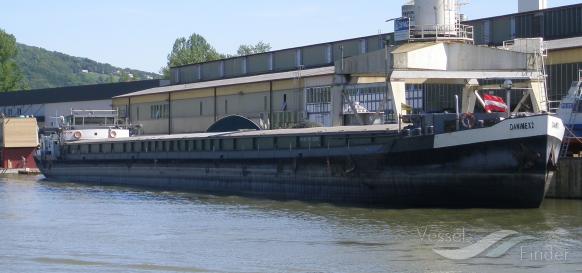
point(169, 113)
point(270, 105)
point(129, 109)
point(215, 103)
point(457, 111)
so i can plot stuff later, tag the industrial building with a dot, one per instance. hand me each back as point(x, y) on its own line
point(194, 107)
point(18, 143)
point(53, 102)
point(284, 88)
point(561, 27)
point(280, 89)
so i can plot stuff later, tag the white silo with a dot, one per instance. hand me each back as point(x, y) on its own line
point(436, 16)
point(408, 11)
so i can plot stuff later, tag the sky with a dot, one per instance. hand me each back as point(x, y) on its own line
point(139, 34)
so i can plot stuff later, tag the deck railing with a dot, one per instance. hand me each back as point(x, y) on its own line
point(458, 32)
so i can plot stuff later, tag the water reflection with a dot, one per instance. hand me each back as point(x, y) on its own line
point(66, 227)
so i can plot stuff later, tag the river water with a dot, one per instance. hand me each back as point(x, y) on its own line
point(60, 227)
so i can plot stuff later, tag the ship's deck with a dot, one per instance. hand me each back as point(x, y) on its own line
point(237, 134)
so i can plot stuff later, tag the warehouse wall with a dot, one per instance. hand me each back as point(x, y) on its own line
point(560, 78)
point(277, 61)
point(36, 110)
point(64, 109)
point(234, 67)
point(195, 110)
point(556, 23)
point(260, 63)
point(316, 55)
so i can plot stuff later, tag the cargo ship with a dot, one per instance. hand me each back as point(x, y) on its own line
point(434, 162)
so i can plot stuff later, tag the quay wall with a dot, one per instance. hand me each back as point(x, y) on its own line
point(568, 181)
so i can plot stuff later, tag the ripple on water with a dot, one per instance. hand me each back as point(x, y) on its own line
point(144, 266)
point(77, 227)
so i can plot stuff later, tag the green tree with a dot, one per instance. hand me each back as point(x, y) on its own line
point(260, 47)
point(10, 76)
point(124, 77)
point(194, 49)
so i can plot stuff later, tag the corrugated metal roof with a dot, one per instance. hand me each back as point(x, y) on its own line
point(564, 43)
point(233, 81)
point(74, 93)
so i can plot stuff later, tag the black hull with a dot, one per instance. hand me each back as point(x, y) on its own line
point(512, 173)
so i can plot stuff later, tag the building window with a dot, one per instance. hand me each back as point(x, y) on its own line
point(366, 99)
point(265, 103)
point(318, 104)
point(122, 111)
point(176, 75)
point(284, 104)
point(159, 111)
point(201, 112)
point(415, 97)
point(318, 95)
point(226, 106)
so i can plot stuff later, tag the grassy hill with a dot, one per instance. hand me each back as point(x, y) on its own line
point(46, 69)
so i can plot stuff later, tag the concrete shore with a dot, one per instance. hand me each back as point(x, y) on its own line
point(568, 181)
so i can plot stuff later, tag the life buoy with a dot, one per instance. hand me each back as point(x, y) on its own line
point(112, 134)
point(468, 120)
point(77, 135)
